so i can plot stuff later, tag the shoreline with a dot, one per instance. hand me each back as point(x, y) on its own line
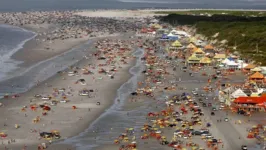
point(35, 57)
point(43, 50)
point(124, 76)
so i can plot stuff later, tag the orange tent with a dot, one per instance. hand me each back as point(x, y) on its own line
point(256, 76)
point(208, 47)
point(249, 66)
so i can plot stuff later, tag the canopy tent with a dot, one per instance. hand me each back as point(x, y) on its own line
point(256, 69)
point(208, 47)
point(191, 46)
point(250, 100)
point(205, 60)
point(199, 51)
point(256, 76)
point(156, 26)
point(219, 56)
point(238, 93)
point(176, 44)
point(193, 59)
point(249, 67)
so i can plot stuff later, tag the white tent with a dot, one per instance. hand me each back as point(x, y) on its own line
point(231, 63)
point(172, 35)
point(241, 64)
point(182, 33)
point(238, 93)
point(228, 90)
point(225, 61)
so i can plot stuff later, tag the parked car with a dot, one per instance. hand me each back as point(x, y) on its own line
point(244, 147)
point(196, 133)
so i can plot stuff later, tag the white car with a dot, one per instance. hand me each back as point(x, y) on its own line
point(158, 132)
point(45, 98)
point(221, 107)
point(63, 101)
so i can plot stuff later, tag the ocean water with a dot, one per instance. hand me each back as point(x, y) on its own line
point(27, 5)
point(14, 79)
point(11, 40)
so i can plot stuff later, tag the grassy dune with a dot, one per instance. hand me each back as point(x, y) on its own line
point(248, 34)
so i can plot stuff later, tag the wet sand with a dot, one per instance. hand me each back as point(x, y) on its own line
point(37, 50)
point(62, 117)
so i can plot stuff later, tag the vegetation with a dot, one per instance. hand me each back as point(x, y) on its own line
point(216, 12)
point(246, 35)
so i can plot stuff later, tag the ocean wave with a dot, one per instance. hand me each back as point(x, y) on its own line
point(6, 63)
point(25, 78)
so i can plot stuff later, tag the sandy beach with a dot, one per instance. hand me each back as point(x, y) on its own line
point(59, 116)
point(70, 101)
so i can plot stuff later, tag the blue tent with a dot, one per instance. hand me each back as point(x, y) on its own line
point(173, 38)
point(164, 37)
point(230, 58)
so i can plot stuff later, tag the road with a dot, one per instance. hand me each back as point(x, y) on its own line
point(221, 130)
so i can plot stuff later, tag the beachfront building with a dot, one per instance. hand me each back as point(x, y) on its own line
point(250, 103)
point(205, 61)
point(193, 60)
point(191, 46)
point(228, 97)
point(199, 52)
point(256, 69)
point(209, 49)
point(219, 57)
point(175, 45)
point(249, 67)
point(256, 77)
